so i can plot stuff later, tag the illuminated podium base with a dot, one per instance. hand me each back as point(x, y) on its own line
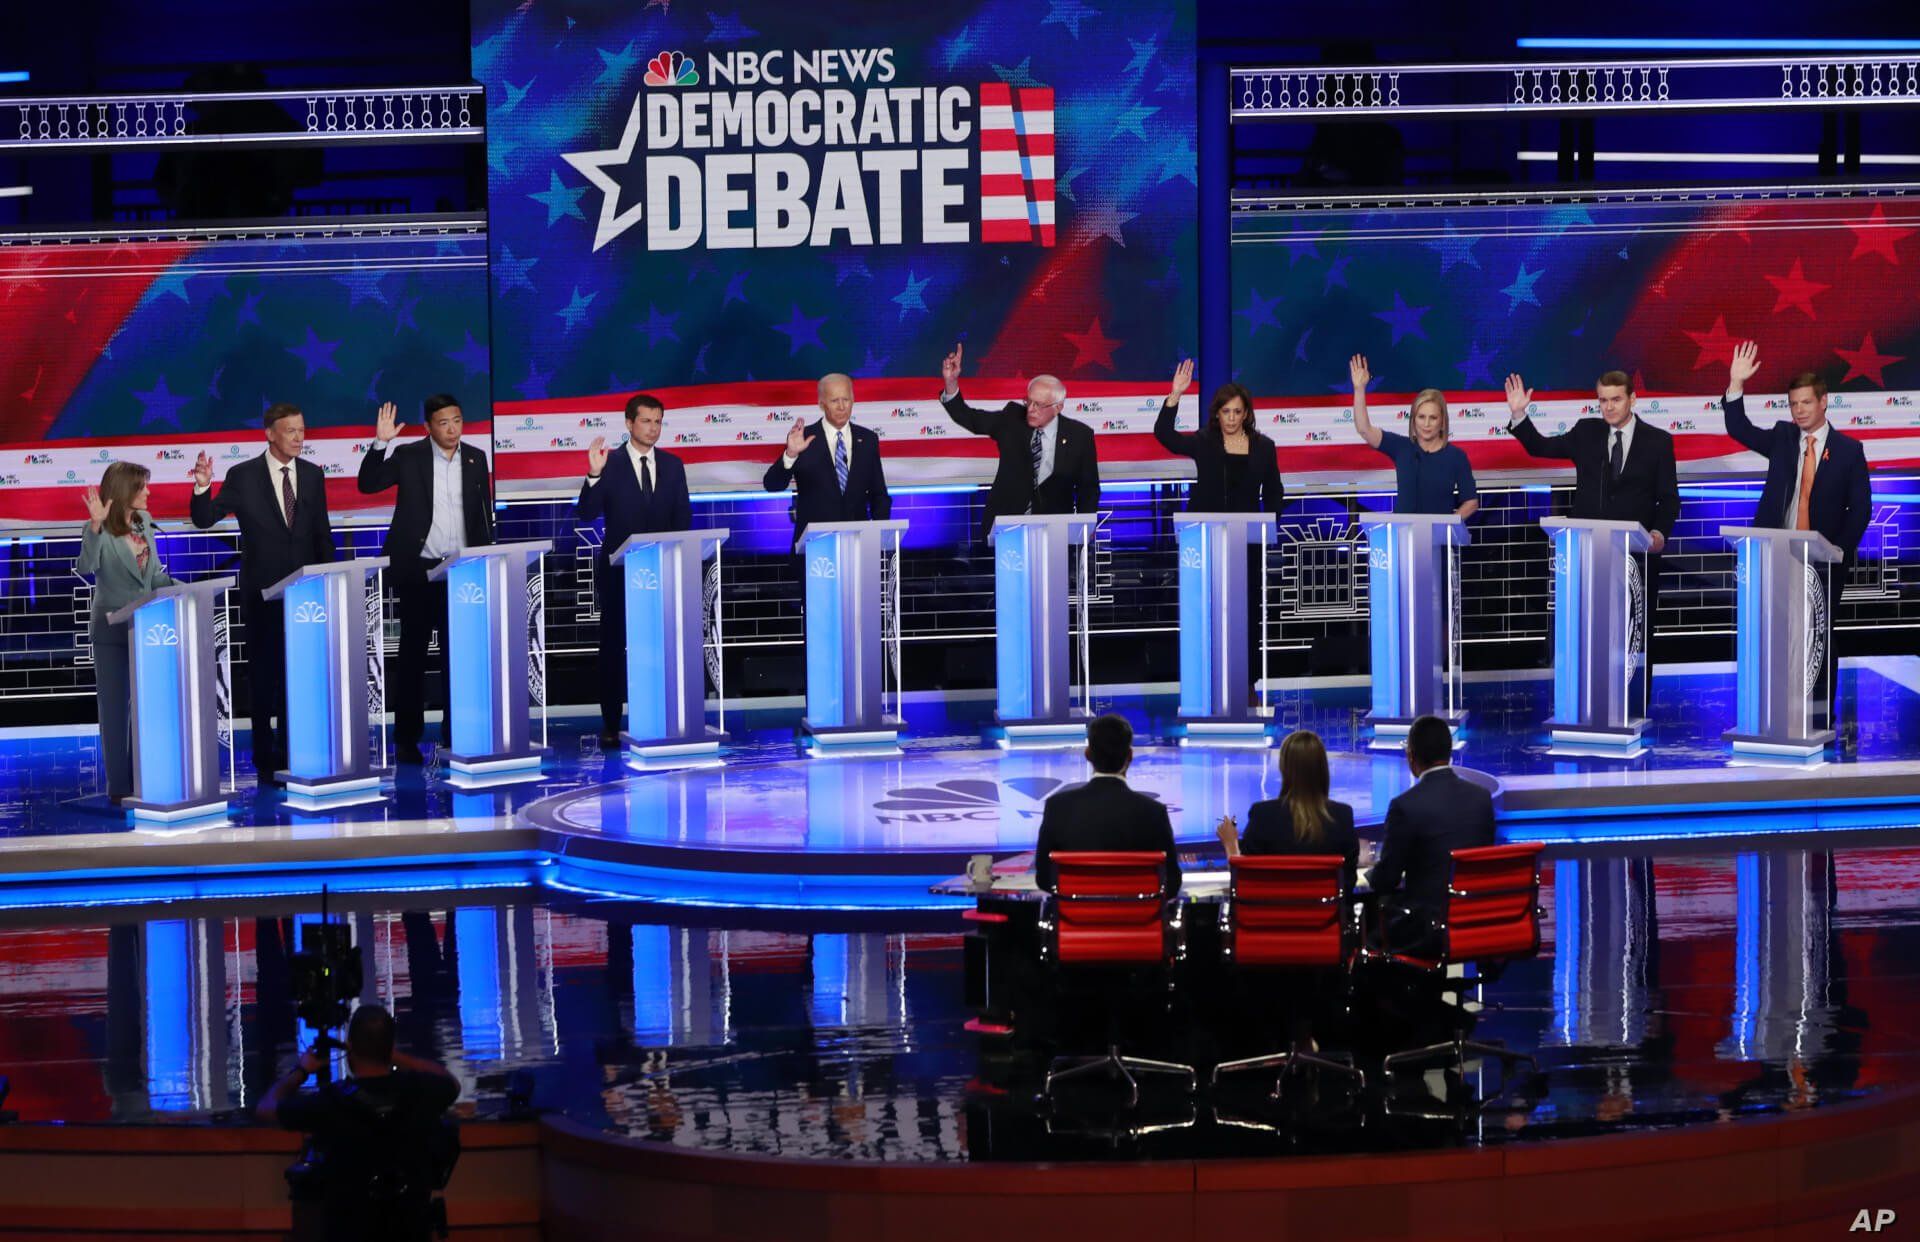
point(486, 771)
point(884, 732)
point(675, 747)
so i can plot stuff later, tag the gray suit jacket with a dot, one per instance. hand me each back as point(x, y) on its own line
point(118, 579)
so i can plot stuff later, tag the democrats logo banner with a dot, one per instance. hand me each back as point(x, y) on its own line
point(684, 196)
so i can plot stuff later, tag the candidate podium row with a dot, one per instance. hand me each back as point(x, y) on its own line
point(1413, 583)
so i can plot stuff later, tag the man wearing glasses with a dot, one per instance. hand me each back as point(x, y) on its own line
point(1047, 463)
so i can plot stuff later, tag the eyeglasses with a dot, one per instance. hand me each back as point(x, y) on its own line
point(1031, 404)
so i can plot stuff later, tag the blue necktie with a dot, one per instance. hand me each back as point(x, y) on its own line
point(840, 459)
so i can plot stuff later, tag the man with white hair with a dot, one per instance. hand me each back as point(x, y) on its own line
point(1047, 462)
point(833, 465)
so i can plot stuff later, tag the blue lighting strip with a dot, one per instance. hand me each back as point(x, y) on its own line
point(1656, 44)
point(9, 76)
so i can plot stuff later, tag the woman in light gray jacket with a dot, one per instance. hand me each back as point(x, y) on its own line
point(116, 547)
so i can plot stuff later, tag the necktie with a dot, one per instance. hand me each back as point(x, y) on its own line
point(1618, 458)
point(286, 494)
point(646, 478)
point(1037, 453)
point(1804, 519)
point(840, 459)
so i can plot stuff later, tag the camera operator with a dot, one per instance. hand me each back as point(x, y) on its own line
point(380, 1147)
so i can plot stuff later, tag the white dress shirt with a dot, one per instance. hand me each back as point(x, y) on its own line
point(636, 455)
point(447, 533)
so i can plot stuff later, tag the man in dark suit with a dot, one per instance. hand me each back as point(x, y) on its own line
point(1623, 467)
point(1817, 477)
point(1443, 812)
point(640, 490)
point(280, 501)
point(1047, 462)
point(833, 465)
point(445, 506)
point(1104, 814)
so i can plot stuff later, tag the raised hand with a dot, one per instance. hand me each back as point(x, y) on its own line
point(386, 423)
point(96, 508)
point(797, 438)
point(596, 456)
point(1182, 377)
point(203, 470)
point(950, 367)
point(1358, 370)
point(1519, 396)
point(1746, 364)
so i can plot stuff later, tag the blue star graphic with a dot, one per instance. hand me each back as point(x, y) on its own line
point(801, 331)
point(362, 286)
point(1301, 245)
point(909, 298)
point(1560, 219)
point(1129, 122)
point(1476, 364)
point(534, 387)
point(874, 364)
point(1337, 273)
point(511, 273)
point(697, 267)
point(316, 353)
point(1453, 247)
point(1068, 13)
point(1521, 290)
point(172, 281)
point(559, 199)
point(1177, 161)
point(957, 48)
point(1259, 312)
point(373, 388)
point(514, 95)
point(659, 325)
point(1063, 184)
point(1143, 53)
point(1167, 283)
point(498, 149)
point(847, 266)
point(1019, 75)
point(1300, 346)
point(404, 317)
point(728, 29)
point(249, 311)
point(700, 359)
point(736, 290)
point(576, 309)
point(472, 356)
point(617, 64)
point(157, 405)
point(1403, 319)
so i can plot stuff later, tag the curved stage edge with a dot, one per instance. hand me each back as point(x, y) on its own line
point(1798, 1176)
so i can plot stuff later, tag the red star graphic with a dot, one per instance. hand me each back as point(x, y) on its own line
point(1876, 236)
point(1796, 290)
point(1715, 345)
point(1092, 348)
point(1867, 361)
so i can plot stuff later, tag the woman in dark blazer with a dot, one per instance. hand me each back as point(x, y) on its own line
point(1235, 468)
point(116, 547)
point(1303, 819)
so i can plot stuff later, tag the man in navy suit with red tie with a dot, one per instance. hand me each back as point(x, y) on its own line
point(1817, 477)
point(833, 466)
point(640, 490)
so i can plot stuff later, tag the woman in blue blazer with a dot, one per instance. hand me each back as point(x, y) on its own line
point(116, 547)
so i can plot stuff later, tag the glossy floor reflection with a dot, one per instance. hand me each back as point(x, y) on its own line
point(1676, 988)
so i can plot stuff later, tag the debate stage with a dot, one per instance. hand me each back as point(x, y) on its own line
point(772, 826)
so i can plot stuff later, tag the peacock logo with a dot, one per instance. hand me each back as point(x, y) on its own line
point(310, 613)
point(671, 69)
point(162, 635)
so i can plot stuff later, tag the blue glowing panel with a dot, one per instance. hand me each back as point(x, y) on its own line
point(1388, 621)
point(477, 943)
point(829, 998)
point(1013, 617)
point(1197, 631)
point(1569, 606)
point(644, 584)
point(473, 684)
point(312, 742)
point(826, 656)
point(169, 1012)
point(158, 632)
point(1749, 651)
point(652, 983)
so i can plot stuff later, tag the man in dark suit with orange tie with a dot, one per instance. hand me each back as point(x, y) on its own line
point(445, 505)
point(280, 501)
point(1047, 461)
point(833, 465)
point(1817, 477)
point(638, 490)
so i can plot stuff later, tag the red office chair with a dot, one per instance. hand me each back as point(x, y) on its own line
point(1288, 913)
point(1492, 917)
point(1111, 909)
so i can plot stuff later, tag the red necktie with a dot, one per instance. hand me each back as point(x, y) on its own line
point(286, 494)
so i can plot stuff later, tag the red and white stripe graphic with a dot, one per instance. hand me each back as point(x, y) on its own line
point(1016, 163)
